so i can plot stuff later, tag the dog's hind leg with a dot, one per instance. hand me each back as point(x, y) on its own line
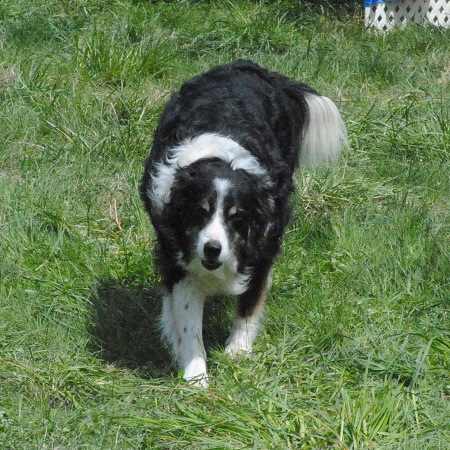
point(182, 325)
point(247, 319)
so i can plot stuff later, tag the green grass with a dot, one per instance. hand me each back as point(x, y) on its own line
point(355, 352)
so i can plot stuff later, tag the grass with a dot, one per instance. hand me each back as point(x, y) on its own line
point(355, 352)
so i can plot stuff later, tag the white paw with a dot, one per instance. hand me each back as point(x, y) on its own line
point(237, 347)
point(195, 372)
point(198, 381)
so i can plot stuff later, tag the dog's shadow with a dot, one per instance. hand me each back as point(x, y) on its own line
point(125, 327)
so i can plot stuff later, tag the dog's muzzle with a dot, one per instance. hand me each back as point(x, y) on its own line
point(211, 251)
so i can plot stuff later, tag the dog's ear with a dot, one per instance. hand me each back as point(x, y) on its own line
point(184, 190)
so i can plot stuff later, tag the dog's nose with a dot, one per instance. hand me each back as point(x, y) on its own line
point(212, 250)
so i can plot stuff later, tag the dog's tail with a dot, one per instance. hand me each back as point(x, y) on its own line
point(325, 134)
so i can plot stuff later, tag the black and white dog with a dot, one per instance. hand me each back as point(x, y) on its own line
point(217, 186)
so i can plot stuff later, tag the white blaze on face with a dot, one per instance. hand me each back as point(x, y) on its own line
point(215, 229)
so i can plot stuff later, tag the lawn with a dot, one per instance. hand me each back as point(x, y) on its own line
point(355, 351)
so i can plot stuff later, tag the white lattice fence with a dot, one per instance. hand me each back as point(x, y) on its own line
point(385, 15)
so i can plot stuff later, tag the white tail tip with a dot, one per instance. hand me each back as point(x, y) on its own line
point(325, 135)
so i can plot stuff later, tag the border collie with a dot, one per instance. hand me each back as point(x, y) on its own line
point(217, 186)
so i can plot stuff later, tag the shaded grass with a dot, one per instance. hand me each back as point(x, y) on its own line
point(355, 352)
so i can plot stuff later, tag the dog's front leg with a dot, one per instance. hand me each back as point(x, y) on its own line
point(182, 325)
point(249, 311)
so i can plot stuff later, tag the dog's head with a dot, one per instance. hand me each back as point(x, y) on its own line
point(221, 217)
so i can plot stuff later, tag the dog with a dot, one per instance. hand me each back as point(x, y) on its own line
point(218, 185)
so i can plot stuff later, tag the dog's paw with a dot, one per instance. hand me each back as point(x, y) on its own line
point(195, 373)
point(236, 347)
point(200, 381)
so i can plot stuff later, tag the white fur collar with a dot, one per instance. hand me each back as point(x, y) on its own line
point(208, 145)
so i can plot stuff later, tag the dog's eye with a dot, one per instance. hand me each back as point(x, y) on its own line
point(240, 219)
point(205, 206)
point(232, 211)
point(236, 215)
point(202, 209)
point(201, 212)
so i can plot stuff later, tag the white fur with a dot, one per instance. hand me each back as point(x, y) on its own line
point(215, 230)
point(182, 326)
point(245, 330)
point(181, 320)
point(325, 135)
point(208, 145)
point(226, 278)
point(182, 317)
